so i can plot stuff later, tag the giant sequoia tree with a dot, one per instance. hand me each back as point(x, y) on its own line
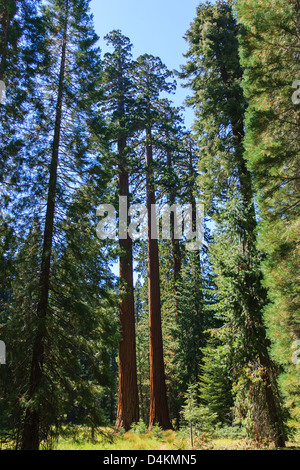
point(153, 77)
point(119, 85)
point(214, 74)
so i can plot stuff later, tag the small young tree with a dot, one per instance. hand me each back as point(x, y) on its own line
point(200, 418)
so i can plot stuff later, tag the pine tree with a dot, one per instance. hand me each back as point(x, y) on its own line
point(17, 326)
point(214, 73)
point(215, 384)
point(85, 319)
point(64, 118)
point(8, 248)
point(142, 340)
point(22, 55)
point(269, 44)
point(20, 37)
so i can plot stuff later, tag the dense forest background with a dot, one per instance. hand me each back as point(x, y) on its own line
point(209, 335)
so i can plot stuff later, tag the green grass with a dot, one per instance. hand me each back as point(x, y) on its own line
point(80, 438)
point(107, 439)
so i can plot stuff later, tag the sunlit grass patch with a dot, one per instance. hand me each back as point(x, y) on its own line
point(107, 439)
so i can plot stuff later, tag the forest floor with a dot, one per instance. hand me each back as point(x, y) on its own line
point(106, 439)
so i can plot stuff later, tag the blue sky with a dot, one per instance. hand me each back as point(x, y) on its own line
point(154, 27)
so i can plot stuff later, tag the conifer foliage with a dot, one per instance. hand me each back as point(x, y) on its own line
point(214, 73)
point(119, 85)
point(190, 339)
point(269, 45)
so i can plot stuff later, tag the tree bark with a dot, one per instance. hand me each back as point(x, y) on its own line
point(159, 412)
point(128, 401)
point(31, 431)
point(249, 241)
point(176, 251)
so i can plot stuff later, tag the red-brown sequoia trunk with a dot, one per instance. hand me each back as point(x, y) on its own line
point(176, 251)
point(128, 402)
point(159, 413)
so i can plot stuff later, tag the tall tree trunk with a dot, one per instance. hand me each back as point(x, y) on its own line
point(31, 432)
point(176, 258)
point(159, 412)
point(192, 200)
point(176, 252)
point(271, 390)
point(128, 401)
point(249, 246)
